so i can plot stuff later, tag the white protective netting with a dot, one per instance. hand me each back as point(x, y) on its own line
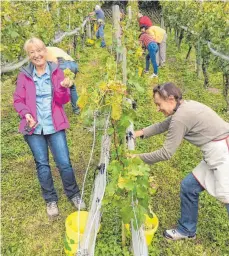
point(87, 245)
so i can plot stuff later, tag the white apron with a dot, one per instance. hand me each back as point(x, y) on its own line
point(213, 171)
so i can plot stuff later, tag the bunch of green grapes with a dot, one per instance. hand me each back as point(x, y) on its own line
point(68, 73)
point(83, 99)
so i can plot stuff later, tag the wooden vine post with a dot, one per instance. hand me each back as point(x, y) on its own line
point(204, 69)
point(117, 32)
point(129, 11)
point(198, 58)
point(74, 44)
point(162, 21)
point(124, 65)
point(88, 29)
point(226, 89)
point(58, 14)
point(70, 39)
point(47, 6)
point(124, 73)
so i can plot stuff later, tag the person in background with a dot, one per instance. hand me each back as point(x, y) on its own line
point(148, 43)
point(201, 126)
point(65, 61)
point(160, 36)
point(40, 94)
point(101, 23)
point(144, 21)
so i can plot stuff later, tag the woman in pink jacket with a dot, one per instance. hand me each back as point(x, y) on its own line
point(40, 94)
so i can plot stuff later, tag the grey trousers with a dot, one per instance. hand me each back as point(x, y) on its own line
point(161, 54)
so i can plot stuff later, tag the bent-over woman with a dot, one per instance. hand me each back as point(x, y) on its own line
point(202, 127)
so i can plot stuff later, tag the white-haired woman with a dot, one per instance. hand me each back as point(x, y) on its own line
point(40, 94)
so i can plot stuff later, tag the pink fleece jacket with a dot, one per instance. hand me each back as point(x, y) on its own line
point(25, 97)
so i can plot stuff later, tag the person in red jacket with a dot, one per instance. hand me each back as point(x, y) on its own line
point(40, 94)
point(144, 20)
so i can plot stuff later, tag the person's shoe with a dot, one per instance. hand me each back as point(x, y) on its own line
point(146, 71)
point(78, 202)
point(77, 111)
point(153, 75)
point(52, 209)
point(173, 234)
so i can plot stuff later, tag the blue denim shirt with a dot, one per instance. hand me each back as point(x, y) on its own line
point(43, 102)
point(99, 14)
point(64, 64)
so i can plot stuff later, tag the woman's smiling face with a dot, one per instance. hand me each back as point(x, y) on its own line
point(37, 54)
point(166, 106)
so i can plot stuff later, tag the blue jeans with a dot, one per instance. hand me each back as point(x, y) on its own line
point(74, 98)
point(189, 194)
point(100, 34)
point(153, 49)
point(64, 64)
point(58, 145)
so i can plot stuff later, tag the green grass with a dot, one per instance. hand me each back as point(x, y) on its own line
point(26, 229)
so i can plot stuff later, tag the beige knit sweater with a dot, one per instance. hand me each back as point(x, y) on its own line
point(193, 121)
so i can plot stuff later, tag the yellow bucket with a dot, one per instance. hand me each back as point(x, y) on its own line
point(90, 42)
point(72, 228)
point(140, 70)
point(70, 245)
point(95, 27)
point(151, 226)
